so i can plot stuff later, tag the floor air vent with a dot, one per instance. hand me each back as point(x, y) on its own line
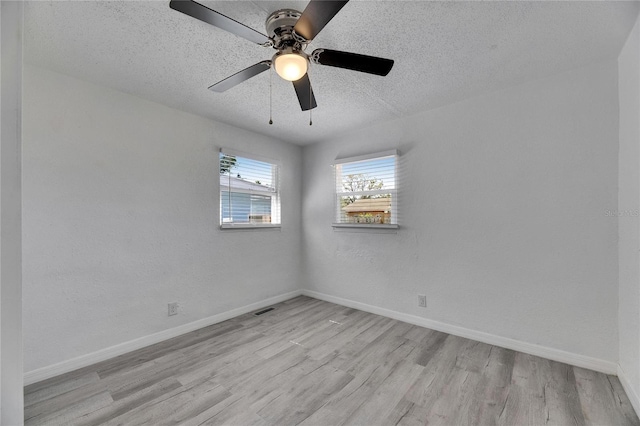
point(264, 311)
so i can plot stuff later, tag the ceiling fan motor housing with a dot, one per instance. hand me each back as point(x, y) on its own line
point(279, 27)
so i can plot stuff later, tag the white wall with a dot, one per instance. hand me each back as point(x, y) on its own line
point(11, 399)
point(121, 217)
point(503, 222)
point(629, 222)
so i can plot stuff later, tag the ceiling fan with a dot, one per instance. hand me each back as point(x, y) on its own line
point(289, 33)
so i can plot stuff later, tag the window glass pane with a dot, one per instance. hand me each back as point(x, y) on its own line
point(366, 191)
point(366, 209)
point(367, 175)
point(248, 191)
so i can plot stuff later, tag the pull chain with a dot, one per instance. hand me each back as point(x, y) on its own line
point(270, 97)
point(310, 101)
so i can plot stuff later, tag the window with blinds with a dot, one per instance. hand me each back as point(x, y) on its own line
point(249, 191)
point(366, 190)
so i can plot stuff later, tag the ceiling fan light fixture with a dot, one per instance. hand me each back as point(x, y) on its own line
point(290, 65)
point(289, 32)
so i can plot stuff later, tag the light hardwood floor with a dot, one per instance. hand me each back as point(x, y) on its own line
point(315, 363)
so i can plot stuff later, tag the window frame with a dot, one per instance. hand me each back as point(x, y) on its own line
point(394, 192)
point(276, 213)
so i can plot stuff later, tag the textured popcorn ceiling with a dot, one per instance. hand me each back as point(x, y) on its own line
point(444, 52)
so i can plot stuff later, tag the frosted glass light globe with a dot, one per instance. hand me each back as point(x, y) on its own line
point(291, 66)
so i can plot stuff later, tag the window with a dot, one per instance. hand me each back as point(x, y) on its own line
point(249, 191)
point(366, 191)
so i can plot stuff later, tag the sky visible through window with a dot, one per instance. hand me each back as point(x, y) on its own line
point(382, 169)
point(252, 170)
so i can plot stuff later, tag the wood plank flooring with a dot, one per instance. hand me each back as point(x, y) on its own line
point(311, 362)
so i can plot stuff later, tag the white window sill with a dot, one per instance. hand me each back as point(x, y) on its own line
point(246, 226)
point(365, 226)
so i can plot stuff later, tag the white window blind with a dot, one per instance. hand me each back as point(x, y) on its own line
point(249, 191)
point(366, 190)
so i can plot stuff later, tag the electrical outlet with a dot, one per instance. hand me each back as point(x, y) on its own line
point(173, 308)
point(422, 300)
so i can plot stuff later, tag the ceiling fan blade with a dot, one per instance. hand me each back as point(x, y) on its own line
point(352, 61)
point(316, 15)
point(217, 19)
point(305, 93)
point(240, 76)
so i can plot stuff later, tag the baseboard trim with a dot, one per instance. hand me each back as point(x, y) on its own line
point(504, 342)
point(122, 348)
point(631, 393)
point(530, 348)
